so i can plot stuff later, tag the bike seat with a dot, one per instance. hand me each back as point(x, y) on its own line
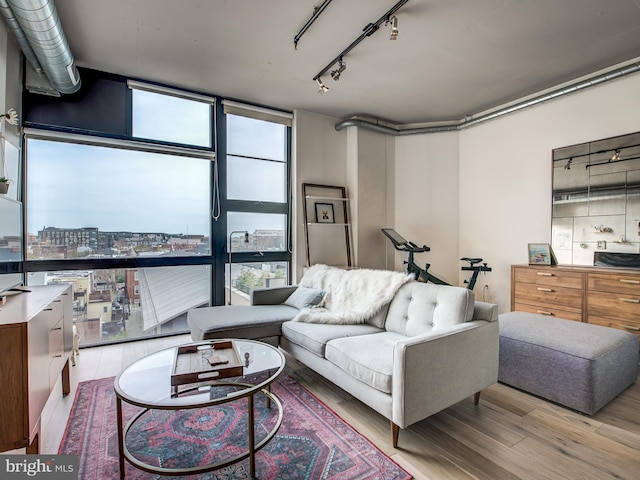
point(471, 260)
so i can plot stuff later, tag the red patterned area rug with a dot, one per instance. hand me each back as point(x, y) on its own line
point(312, 442)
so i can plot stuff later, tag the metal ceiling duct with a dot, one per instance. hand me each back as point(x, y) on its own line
point(36, 26)
point(469, 122)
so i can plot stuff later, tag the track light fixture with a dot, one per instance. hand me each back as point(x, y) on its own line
point(322, 88)
point(367, 31)
point(335, 74)
point(394, 27)
point(616, 155)
point(568, 165)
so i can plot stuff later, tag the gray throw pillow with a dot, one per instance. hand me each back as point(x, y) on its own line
point(304, 297)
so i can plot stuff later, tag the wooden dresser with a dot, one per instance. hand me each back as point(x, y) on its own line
point(36, 340)
point(600, 295)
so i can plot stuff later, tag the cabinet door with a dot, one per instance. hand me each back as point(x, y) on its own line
point(40, 360)
point(13, 362)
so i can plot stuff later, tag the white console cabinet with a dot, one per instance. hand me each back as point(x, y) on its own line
point(36, 341)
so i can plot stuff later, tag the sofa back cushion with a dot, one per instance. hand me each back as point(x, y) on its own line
point(420, 308)
point(304, 297)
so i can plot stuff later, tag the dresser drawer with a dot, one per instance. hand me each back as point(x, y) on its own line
point(56, 352)
point(631, 326)
point(539, 276)
point(548, 311)
point(614, 305)
point(547, 296)
point(56, 340)
point(51, 314)
point(629, 284)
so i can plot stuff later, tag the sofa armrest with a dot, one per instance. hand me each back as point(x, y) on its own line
point(485, 311)
point(271, 296)
point(436, 370)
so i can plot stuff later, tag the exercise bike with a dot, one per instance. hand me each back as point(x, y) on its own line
point(422, 274)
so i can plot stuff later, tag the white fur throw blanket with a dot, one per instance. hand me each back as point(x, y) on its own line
point(353, 296)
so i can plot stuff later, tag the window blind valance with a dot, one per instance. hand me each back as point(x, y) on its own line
point(259, 113)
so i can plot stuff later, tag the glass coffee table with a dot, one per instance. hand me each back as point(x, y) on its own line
point(150, 383)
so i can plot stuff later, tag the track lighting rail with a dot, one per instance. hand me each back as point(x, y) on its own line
point(598, 152)
point(316, 13)
point(611, 160)
point(368, 30)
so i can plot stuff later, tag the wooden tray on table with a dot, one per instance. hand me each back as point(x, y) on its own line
point(203, 362)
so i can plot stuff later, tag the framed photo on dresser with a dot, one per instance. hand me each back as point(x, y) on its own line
point(541, 254)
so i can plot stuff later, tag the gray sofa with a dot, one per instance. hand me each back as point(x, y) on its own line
point(429, 348)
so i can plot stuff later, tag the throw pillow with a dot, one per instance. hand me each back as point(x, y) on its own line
point(304, 297)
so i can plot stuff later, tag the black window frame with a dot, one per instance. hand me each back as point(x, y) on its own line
point(36, 108)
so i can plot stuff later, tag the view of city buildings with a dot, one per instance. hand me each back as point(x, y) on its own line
point(113, 304)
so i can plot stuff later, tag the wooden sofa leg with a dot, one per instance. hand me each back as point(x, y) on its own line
point(395, 430)
point(476, 398)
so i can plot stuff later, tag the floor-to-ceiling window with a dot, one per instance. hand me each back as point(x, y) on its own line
point(257, 153)
point(144, 213)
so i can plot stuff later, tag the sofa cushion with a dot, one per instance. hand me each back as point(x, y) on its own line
point(238, 321)
point(304, 297)
point(421, 307)
point(379, 318)
point(314, 336)
point(368, 358)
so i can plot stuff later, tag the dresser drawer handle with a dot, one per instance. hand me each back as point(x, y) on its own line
point(545, 274)
point(47, 309)
point(634, 282)
point(57, 328)
point(629, 327)
point(630, 300)
point(545, 289)
point(542, 312)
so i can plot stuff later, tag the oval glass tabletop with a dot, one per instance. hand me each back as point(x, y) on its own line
point(148, 381)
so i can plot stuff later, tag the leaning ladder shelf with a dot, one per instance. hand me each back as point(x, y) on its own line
point(326, 208)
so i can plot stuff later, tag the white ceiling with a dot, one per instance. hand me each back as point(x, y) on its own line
point(452, 58)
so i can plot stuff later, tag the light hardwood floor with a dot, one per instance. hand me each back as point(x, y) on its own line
point(510, 435)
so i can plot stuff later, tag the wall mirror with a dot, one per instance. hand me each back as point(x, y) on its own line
point(596, 201)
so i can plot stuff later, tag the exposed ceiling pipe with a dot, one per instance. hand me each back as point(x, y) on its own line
point(37, 21)
point(469, 122)
point(14, 28)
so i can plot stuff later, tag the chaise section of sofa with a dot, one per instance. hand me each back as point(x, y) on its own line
point(261, 320)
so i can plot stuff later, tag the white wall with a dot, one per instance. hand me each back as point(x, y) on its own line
point(427, 200)
point(482, 192)
point(369, 158)
point(10, 86)
point(319, 155)
point(505, 172)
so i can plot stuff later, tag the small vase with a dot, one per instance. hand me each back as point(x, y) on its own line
point(4, 187)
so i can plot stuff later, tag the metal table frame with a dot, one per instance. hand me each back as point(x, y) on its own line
point(248, 392)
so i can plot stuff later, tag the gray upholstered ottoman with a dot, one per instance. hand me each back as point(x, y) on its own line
point(578, 365)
